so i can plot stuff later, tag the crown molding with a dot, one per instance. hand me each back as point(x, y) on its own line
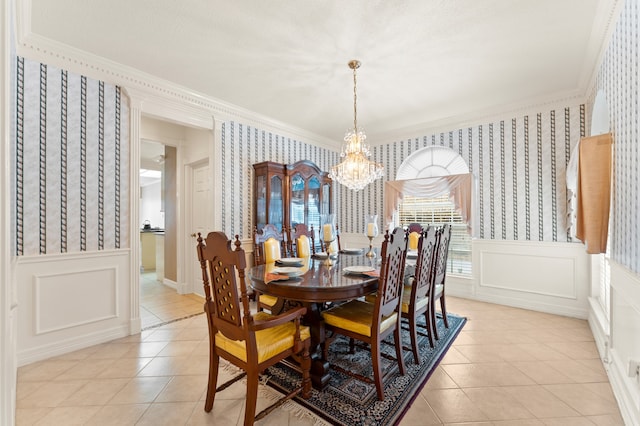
point(166, 100)
point(604, 24)
point(476, 118)
point(157, 96)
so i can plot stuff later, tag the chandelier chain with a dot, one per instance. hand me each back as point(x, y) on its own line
point(355, 102)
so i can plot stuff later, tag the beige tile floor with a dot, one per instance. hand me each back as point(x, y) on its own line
point(507, 367)
point(160, 303)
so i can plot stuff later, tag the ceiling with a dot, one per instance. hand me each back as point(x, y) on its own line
point(423, 61)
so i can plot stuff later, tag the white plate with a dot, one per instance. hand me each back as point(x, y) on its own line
point(412, 253)
point(357, 269)
point(288, 270)
point(321, 255)
point(352, 250)
point(290, 260)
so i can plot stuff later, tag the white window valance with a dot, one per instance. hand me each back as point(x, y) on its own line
point(458, 186)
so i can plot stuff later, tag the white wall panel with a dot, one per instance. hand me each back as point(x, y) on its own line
point(537, 274)
point(55, 310)
point(71, 301)
point(543, 276)
point(625, 340)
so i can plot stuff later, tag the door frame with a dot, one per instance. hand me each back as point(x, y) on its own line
point(191, 277)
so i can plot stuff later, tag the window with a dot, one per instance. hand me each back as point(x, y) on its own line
point(436, 212)
point(436, 161)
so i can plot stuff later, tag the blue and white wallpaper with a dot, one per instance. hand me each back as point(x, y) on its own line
point(243, 146)
point(618, 79)
point(70, 145)
point(519, 163)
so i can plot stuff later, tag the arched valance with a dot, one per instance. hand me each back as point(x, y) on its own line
point(458, 186)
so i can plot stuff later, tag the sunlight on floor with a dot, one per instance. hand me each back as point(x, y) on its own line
point(160, 303)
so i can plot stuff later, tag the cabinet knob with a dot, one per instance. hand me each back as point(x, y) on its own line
point(193, 235)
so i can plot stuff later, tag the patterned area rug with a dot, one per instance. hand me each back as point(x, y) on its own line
point(351, 401)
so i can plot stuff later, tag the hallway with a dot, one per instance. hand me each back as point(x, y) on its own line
point(161, 304)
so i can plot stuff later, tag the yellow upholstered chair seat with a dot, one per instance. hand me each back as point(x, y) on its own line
point(406, 301)
point(267, 300)
point(356, 316)
point(270, 341)
point(438, 289)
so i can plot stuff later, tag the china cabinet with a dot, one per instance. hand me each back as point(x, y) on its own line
point(289, 194)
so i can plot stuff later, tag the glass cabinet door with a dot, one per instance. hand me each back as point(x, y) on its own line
point(297, 207)
point(314, 203)
point(261, 201)
point(276, 214)
point(326, 199)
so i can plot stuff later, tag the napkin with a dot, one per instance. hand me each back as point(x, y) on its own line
point(375, 273)
point(274, 277)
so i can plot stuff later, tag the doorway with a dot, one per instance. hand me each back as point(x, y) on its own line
point(160, 301)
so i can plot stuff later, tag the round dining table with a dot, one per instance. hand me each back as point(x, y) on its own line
point(316, 284)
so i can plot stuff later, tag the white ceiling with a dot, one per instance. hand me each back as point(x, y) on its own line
point(423, 61)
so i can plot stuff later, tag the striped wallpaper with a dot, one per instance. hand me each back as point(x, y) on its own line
point(243, 146)
point(71, 152)
point(519, 163)
point(618, 78)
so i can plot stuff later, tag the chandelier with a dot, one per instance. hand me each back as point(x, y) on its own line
point(356, 170)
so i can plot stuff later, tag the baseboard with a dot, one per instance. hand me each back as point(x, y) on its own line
point(135, 326)
point(599, 325)
point(170, 283)
point(70, 345)
point(516, 302)
point(626, 393)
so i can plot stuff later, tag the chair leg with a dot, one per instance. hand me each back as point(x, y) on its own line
point(427, 321)
point(398, 343)
point(213, 381)
point(414, 337)
point(377, 370)
point(434, 323)
point(443, 309)
point(352, 346)
point(252, 397)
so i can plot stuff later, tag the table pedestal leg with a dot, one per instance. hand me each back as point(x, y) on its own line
point(319, 366)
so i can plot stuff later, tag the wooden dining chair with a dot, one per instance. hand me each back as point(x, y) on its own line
point(373, 322)
point(301, 241)
point(414, 230)
point(268, 246)
point(440, 276)
point(417, 297)
point(252, 343)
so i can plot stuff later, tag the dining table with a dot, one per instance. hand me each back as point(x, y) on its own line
point(317, 283)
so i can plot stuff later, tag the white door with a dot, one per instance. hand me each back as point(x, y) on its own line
point(199, 212)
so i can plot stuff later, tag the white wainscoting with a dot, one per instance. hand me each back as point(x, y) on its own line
point(68, 302)
point(542, 276)
point(625, 341)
